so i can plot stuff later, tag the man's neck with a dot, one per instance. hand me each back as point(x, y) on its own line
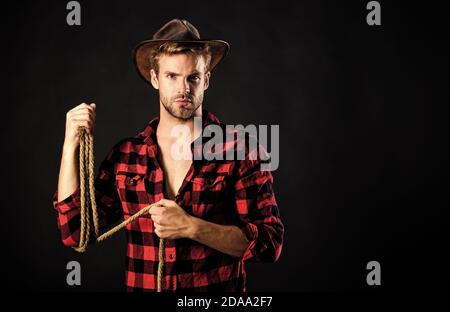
point(167, 122)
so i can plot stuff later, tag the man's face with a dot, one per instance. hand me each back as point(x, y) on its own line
point(181, 82)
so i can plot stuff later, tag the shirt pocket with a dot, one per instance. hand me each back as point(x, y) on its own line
point(132, 191)
point(208, 195)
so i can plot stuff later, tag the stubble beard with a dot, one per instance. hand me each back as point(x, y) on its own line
point(182, 112)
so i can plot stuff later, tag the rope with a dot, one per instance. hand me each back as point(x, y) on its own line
point(89, 213)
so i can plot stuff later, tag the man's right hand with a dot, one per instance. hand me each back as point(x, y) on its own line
point(81, 115)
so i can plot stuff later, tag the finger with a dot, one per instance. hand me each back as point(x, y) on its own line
point(160, 228)
point(80, 118)
point(157, 204)
point(83, 116)
point(166, 202)
point(83, 106)
point(156, 210)
point(154, 218)
point(84, 123)
point(162, 201)
point(159, 222)
point(82, 110)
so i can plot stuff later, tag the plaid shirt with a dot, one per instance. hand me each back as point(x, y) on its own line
point(227, 192)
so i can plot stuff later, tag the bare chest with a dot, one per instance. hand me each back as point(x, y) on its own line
point(175, 171)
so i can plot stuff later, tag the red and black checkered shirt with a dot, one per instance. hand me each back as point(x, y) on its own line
point(227, 192)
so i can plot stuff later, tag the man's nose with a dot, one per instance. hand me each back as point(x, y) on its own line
point(184, 86)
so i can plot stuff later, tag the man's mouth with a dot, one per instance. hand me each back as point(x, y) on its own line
point(183, 101)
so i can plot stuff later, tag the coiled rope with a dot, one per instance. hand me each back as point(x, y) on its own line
point(89, 213)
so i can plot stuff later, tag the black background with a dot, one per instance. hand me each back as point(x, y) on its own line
point(363, 115)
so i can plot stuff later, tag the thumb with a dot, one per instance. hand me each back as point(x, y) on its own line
point(159, 202)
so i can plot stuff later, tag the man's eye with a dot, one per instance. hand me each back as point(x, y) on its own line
point(195, 78)
point(170, 76)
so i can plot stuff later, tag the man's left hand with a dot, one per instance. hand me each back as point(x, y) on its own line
point(170, 220)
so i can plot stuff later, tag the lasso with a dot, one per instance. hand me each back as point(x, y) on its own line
point(89, 213)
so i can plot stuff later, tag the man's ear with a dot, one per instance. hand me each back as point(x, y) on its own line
point(207, 77)
point(154, 79)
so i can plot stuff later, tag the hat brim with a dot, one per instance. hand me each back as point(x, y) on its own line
point(219, 49)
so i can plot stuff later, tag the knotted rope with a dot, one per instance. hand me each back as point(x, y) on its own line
point(89, 213)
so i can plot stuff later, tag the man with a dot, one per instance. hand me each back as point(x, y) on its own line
point(213, 214)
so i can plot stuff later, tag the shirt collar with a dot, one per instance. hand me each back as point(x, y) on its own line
point(149, 133)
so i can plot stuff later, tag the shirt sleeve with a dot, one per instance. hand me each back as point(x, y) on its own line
point(107, 199)
point(258, 212)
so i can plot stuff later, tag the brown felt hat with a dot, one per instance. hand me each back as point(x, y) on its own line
point(176, 30)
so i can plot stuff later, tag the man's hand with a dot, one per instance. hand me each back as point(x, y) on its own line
point(171, 221)
point(82, 115)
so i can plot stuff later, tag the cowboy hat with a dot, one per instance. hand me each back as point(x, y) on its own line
point(176, 30)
